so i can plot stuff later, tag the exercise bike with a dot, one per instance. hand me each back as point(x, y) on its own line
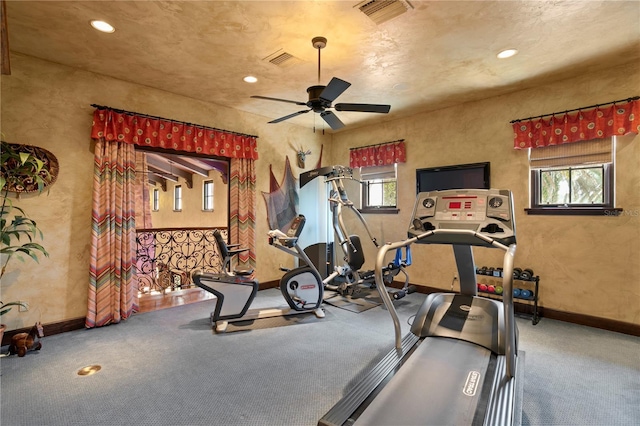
point(235, 290)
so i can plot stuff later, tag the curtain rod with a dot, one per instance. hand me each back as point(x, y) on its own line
point(635, 98)
point(122, 111)
point(376, 144)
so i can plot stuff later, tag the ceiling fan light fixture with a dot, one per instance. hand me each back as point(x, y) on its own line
point(250, 79)
point(103, 26)
point(507, 53)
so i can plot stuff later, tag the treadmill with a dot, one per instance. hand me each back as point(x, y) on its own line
point(459, 364)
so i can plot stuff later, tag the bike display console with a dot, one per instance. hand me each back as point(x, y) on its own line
point(488, 212)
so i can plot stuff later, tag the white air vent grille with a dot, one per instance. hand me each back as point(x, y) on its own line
point(281, 58)
point(380, 11)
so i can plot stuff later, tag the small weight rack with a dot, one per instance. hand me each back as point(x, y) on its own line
point(525, 287)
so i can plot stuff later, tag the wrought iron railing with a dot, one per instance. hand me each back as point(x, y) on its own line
point(166, 257)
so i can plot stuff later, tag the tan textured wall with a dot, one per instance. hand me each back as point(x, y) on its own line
point(587, 264)
point(192, 214)
point(48, 105)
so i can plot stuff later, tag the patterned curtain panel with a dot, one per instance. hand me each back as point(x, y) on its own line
point(242, 221)
point(113, 284)
point(600, 122)
point(378, 155)
point(163, 133)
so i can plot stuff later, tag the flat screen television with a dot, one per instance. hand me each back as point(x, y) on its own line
point(476, 175)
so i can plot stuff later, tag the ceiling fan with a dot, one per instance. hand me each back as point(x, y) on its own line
point(321, 97)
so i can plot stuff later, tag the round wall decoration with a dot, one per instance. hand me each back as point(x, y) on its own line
point(20, 177)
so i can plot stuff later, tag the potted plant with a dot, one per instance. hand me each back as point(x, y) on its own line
point(18, 233)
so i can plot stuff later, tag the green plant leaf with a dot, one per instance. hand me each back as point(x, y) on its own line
point(39, 165)
point(16, 227)
point(4, 308)
point(24, 157)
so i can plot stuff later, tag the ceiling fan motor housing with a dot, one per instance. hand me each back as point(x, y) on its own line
point(315, 102)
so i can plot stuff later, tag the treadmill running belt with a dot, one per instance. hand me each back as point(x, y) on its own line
point(440, 384)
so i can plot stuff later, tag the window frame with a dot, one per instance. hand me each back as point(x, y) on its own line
point(206, 196)
point(177, 198)
point(365, 207)
point(155, 200)
point(601, 209)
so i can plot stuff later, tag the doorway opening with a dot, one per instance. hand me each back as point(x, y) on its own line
point(180, 199)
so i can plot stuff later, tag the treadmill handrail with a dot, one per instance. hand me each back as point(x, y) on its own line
point(507, 300)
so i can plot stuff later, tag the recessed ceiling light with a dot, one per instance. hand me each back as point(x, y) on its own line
point(250, 79)
point(103, 26)
point(507, 53)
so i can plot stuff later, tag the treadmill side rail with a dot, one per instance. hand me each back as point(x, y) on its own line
point(505, 406)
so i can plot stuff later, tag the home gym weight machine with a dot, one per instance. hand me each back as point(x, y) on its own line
point(235, 291)
point(459, 364)
point(348, 279)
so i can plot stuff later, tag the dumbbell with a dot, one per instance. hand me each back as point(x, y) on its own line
point(491, 288)
point(482, 287)
point(526, 294)
point(499, 289)
point(517, 292)
point(516, 273)
point(526, 275)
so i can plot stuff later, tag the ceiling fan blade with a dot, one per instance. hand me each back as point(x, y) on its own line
point(334, 89)
point(286, 117)
point(332, 120)
point(363, 108)
point(279, 100)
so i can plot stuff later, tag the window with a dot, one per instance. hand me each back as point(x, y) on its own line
point(156, 200)
point(573, 179)
point(379, 189)
point(207, 195)
point(177, 198)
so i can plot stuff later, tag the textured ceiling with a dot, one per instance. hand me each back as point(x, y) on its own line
point(438, 54)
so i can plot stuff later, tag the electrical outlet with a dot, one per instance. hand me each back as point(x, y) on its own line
point(24, 308)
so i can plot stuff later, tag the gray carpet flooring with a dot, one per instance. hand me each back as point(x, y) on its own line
point(168, 368)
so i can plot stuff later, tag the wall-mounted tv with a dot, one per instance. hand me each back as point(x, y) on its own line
point(476, 175)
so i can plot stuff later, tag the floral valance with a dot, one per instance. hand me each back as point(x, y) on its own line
point(378, 155)
point(162, 133)
point(600, 122)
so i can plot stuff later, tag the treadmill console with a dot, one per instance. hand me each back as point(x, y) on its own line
point(485, 211)
point(328, 172)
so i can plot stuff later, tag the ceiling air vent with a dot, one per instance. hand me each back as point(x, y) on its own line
point(380, 11)
point(281, 58)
